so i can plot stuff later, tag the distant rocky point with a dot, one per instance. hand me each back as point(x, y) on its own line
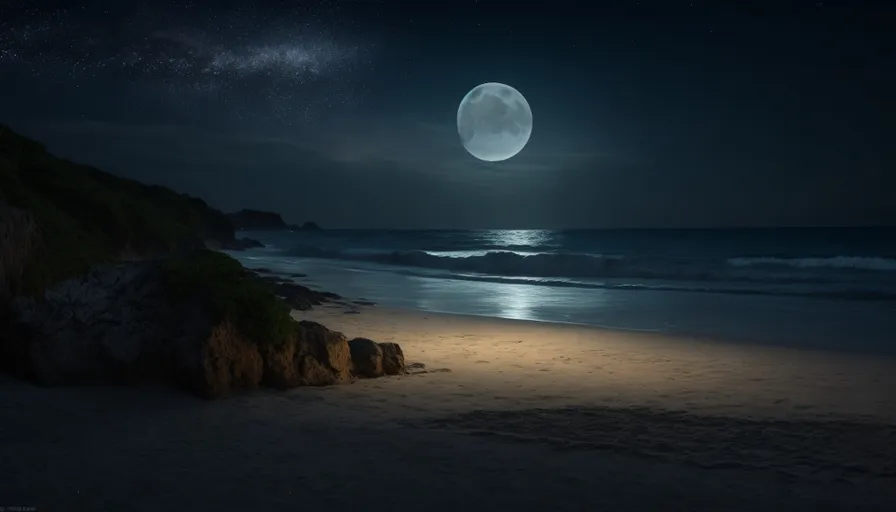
point(257, 220)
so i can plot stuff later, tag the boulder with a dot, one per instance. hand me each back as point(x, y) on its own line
point(367, 357)
point(393, 359)
point(316, 356)
point(323, 355)
point(221, 363)
point(372, 359)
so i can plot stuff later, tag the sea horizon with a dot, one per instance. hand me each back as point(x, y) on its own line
point(691, 228)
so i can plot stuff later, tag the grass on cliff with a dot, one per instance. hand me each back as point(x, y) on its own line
point(228, 291)
point(87, 216)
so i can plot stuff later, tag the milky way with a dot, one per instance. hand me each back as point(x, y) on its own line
point(250, 62)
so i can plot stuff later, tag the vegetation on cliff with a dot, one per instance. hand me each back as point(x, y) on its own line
point(256, 220)
point(86, 216)
point(227, 291)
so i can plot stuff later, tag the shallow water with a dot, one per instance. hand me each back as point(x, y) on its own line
point(800, 322)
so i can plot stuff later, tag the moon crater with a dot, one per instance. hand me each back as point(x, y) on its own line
point(494, 122)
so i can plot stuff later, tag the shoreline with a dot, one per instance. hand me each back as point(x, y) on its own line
point(836, 326)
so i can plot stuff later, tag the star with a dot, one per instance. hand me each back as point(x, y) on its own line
point(216, 56)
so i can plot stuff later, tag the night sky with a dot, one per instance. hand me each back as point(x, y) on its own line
point(646, 114)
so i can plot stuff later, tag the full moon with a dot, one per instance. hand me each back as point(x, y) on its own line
point(494, 122)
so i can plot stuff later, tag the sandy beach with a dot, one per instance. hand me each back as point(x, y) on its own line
point(497, 414)
point(497, 363)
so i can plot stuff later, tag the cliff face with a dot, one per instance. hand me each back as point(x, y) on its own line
point(18, 236)
point(201, 321)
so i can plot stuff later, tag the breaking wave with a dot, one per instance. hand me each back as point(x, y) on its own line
point(843, 276)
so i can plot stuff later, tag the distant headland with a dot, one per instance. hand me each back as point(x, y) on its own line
point(257, 220)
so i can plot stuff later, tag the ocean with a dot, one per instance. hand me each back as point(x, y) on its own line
point(820, 288)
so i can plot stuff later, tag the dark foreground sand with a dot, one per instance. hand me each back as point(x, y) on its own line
point(530, 417)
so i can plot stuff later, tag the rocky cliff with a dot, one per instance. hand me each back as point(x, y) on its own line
point(201, 322)
point(104, 279)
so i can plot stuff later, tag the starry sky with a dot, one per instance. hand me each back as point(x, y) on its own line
point(646, 114)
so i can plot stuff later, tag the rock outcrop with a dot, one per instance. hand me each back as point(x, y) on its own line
point(371, 359)
point(315, 356)
point(218, 363)
point(298, 296)
point(367, 357)
point(117, 324)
